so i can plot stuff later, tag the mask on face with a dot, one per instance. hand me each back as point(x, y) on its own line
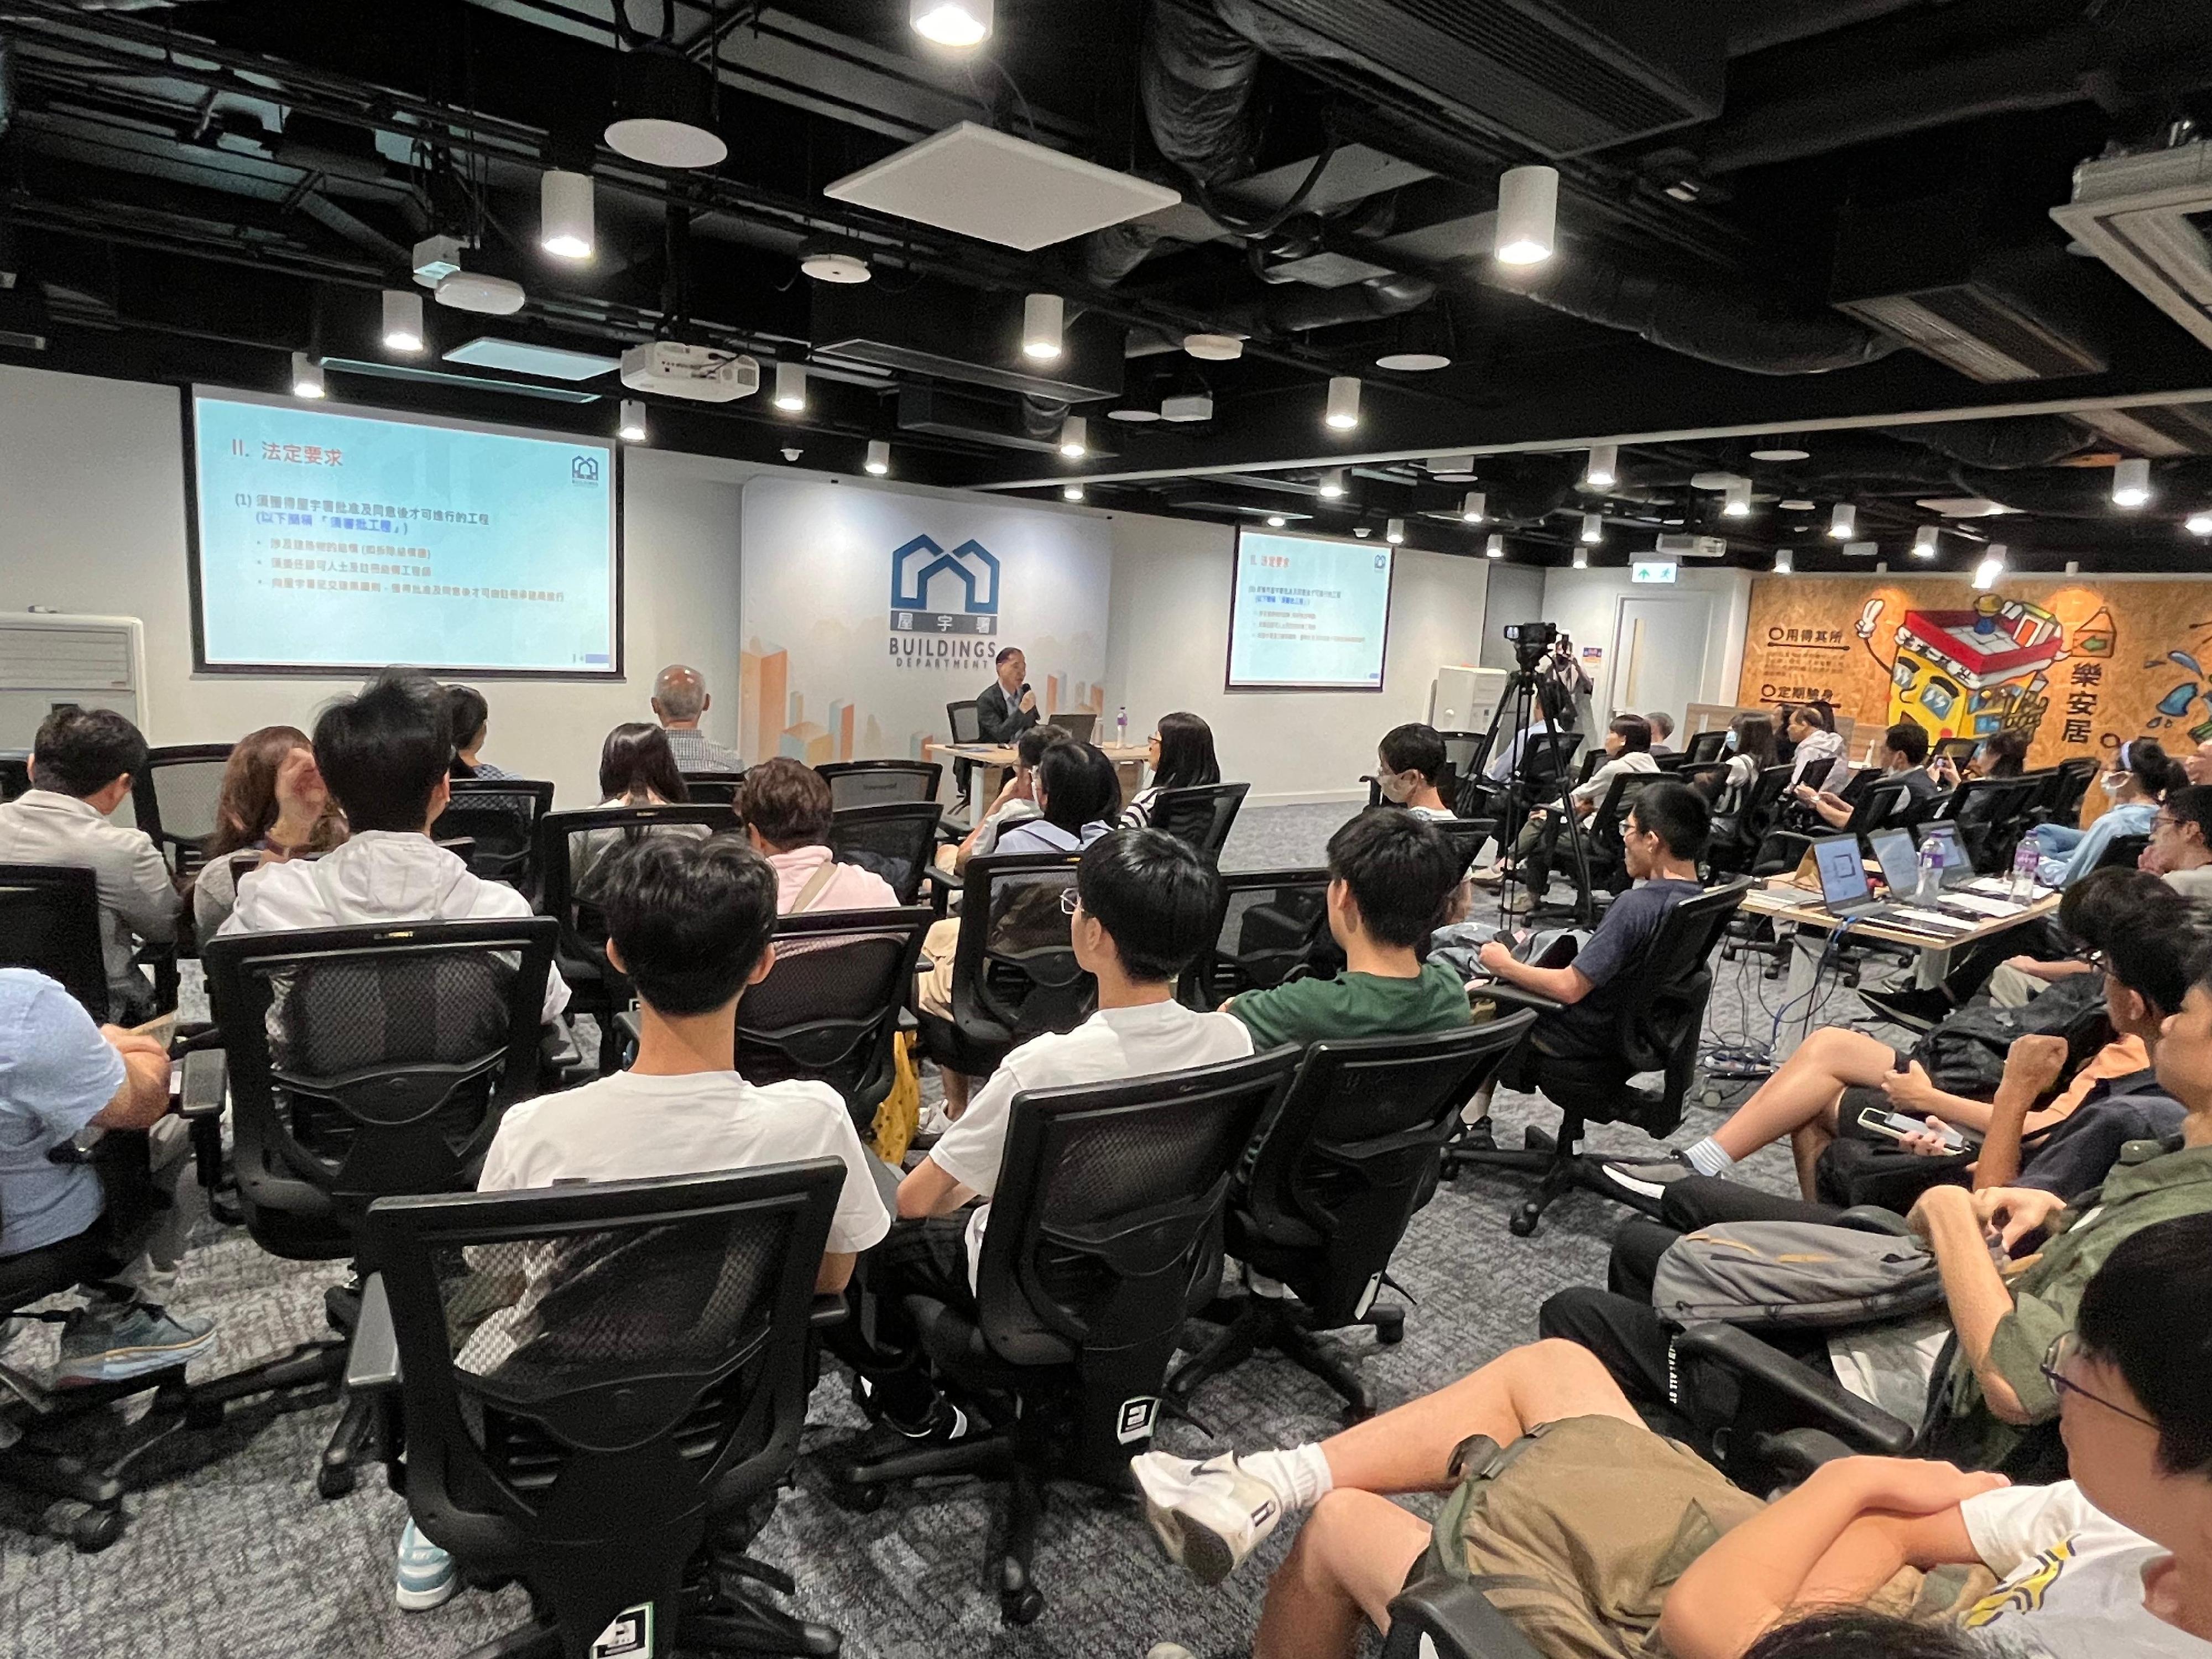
point(1395, 789)
point(2110, 783)
point(1728, 744)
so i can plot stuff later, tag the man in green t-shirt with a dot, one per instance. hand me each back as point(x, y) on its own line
point(1391, 874)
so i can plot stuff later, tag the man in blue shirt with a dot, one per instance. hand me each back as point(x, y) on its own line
point(60, 1073)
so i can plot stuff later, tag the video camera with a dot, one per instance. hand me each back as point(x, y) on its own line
point(1531, 640)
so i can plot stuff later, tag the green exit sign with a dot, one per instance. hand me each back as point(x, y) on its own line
point(1653, 571)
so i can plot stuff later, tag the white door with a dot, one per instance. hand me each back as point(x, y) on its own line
point(1659, 654)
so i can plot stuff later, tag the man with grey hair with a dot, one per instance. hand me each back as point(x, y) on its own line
point(679, 698)
point(1662, 731)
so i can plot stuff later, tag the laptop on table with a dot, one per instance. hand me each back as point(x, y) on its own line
point(1846, 894)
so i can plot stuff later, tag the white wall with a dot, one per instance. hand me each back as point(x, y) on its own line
point(92, 520)
point(1167, 648)
point(1587, 604)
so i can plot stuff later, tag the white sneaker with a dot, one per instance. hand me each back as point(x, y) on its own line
point(1208, 1516)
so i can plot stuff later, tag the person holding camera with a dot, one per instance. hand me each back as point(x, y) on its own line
point(1566, 672)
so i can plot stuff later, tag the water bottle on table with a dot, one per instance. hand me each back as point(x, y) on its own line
point(1931, 871)
point(1121, 725)
point(2025, 861)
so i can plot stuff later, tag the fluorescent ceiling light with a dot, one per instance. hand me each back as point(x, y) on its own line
point(1843, 521)
point(403, 320)
point(1043, 325)
point(957, 23)
point(1343, 402)
point(2131, 482)
point(791, 387)
point(1074, 437)
point(632, 429)
point(526, 357)
point(1528, 214)
point(307, 377)
point(565, 227)
point(879, 457)
point(1495, 547)
point(1472, 506)
point(1603, 467)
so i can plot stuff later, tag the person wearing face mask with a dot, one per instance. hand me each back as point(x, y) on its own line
point(1409, 764)
point(1746, 751)
point(271, 801)
point(2139, 775)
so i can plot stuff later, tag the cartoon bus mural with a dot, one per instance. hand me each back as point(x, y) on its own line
point(1968, 673)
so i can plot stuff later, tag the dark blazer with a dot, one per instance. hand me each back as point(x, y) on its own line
point(1000, 717)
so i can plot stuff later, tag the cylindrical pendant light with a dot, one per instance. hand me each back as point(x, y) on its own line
point(1528, 214)
point(1071, 492)
point(1473, 506)
point(1784, 562)
point(1593, 526)
point(1332, 484)
point(1923, 542)
point(1843, 521)
point(1343, 402)
point(1603, 467)
point(1043, 326)
point(632, 428)
point(791, 387)
point(2130, 482)
point(1074, 436)
point(1395, 533)
point(879, 457)
point(1495, 547)
point(1991, 569)
point(565, 227)
point(1581, 558)
point(1736, 503)
point(307, 377)
point(403, 320)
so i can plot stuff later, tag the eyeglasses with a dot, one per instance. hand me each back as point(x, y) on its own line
point(2062, 1348)
point(1070, 901)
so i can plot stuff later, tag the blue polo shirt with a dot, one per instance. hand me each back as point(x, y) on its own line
point(57, 1072)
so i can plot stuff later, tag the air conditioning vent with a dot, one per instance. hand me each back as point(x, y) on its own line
point(1679, 545)
point(2147, 216)
point(1561, 77)
point(2154, 428)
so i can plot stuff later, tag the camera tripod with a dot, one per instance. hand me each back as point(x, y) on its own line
point(1522, 698)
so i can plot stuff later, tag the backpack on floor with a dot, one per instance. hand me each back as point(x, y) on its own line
point(1808, 1275)
point(1965, 1054)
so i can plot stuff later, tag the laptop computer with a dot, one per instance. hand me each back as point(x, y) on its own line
point(1846, 894)
point(1078, 727)
point(1899, 858)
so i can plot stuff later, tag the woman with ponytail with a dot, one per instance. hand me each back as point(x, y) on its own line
point(2136, 778)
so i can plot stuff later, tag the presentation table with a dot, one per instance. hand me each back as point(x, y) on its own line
point(1781, 900)
point(992, 761)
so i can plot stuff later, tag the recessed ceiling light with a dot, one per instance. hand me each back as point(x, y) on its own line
point(1276, 521)
point(1133, 415)
point(1781, 452)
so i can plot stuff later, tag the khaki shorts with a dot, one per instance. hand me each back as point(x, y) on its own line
point(933, 986)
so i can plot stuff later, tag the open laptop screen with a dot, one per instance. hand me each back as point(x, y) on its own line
point(1843, 875)
point(1900, 864)
point(1957, 867)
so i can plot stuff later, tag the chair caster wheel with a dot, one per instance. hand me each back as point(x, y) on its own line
point(95, 1529)
point(860, 1500)
point(1389, 1336)
point(334, 1479)
point(1021, 1607)
point(1524, 1221)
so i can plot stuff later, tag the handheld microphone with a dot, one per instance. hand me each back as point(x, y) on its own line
point(1026, 688)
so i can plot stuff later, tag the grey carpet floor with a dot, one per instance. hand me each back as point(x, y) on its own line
point(231, 1555)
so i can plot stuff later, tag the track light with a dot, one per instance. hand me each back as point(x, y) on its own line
point(1276, 521)
point(1992, 567)
point(1071, 492)
point(1593, 528)
point(1343, 402)
point(1472, 506)
point(1843, 521)
point(632, 429)
point(403, 320)
point(307, 377)
point(1395, 533)
point(1074, 437)
point(1495, 547)
point(1042, 324)
point(960, 23)
point(2198, 524)
point(564, 215)
point(1603, 467)
point(1923, 542)
point(1332, 484)
point(1784, 562)
point(879, 457)
point(2130, 482)
point(1528, 214)
point(1581, 558)
point(1735, 502)
point(791, 387)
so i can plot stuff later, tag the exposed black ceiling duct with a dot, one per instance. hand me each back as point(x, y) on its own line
point(2026, 440)
point(1290, 310)
point(1734, 324)
point(2081, 492)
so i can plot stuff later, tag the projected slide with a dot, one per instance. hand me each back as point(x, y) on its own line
point(1309, 613)
point(337, 539)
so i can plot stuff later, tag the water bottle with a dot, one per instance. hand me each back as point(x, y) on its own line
point(2024, 862)
point(1931, 871)
point(1121, 725)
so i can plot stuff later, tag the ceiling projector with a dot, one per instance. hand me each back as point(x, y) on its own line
point(706, 374)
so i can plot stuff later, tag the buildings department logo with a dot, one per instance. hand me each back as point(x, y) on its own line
point(917, 566)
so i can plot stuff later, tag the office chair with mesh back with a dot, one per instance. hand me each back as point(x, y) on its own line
point(828, 1009)
point(713, 788)
point(896, 838)
point(173, 800)
point(1107, 1220)
point(50, 921)
point(2069, 786)
point(2121, 852)
point(500, 816)
point(872, 782)
point(14, 773)
point(1992, 814)
point(1014, 972)
point(1655, 1028)
point(1707, 747)
point(1738, 835)
point(1338, 1171)
point(1608, 857)
point(1270, 924)
point(565, 843)
point(615, 1444)
point(364, 1062)
point(1465, 752)
point(1201, 816)
point(966, 726)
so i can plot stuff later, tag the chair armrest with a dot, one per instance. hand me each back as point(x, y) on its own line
point(207, 1076)
point(941, 887)
point(82, 1147)
point(627, 1022)
point(1513, 996)
point(1872, 1219)
point(827, 1310)
point(373, 1361)
point(1794, 1454)
point(1458, 1618)
point(1832, 1406)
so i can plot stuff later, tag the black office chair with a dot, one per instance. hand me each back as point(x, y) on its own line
point(828, 1009)
point(873, 782)
point(713, 788)
point(966, 725)
point(595, 987)
point(1201, 816)
point(364, 1062)
point(50, 921)
point(1706, 747)
point(617, 1446)
point(1338, 1171)
point(1607, 856)
point(1447, 1618)
point(1655, 1028)
point(1874, 801)
point(1992, 814)
point(1738, 835)
point(896, 838)
point(2121, 852)
point(14, 773)
point(173, 800)
point(1108, 1218)
point(1271, 925)
point(1535, 781)
point(2069, 786)
point(1014, 972)
point(1465, 753)
point(500, 816)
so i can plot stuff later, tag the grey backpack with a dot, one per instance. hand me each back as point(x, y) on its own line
point(1805, 1274)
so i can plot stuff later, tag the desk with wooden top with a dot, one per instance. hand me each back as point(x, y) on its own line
point(1782, 901)
point(992, 761)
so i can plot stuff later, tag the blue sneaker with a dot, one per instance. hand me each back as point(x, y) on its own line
point(426, 1577)
point(112, 1341)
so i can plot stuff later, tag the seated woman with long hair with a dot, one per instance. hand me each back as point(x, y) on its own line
point(271, 801)
point(1182, 758)
point(636, 768)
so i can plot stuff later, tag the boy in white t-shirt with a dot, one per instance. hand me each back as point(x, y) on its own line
point(689, 922)
point(1144, 906)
